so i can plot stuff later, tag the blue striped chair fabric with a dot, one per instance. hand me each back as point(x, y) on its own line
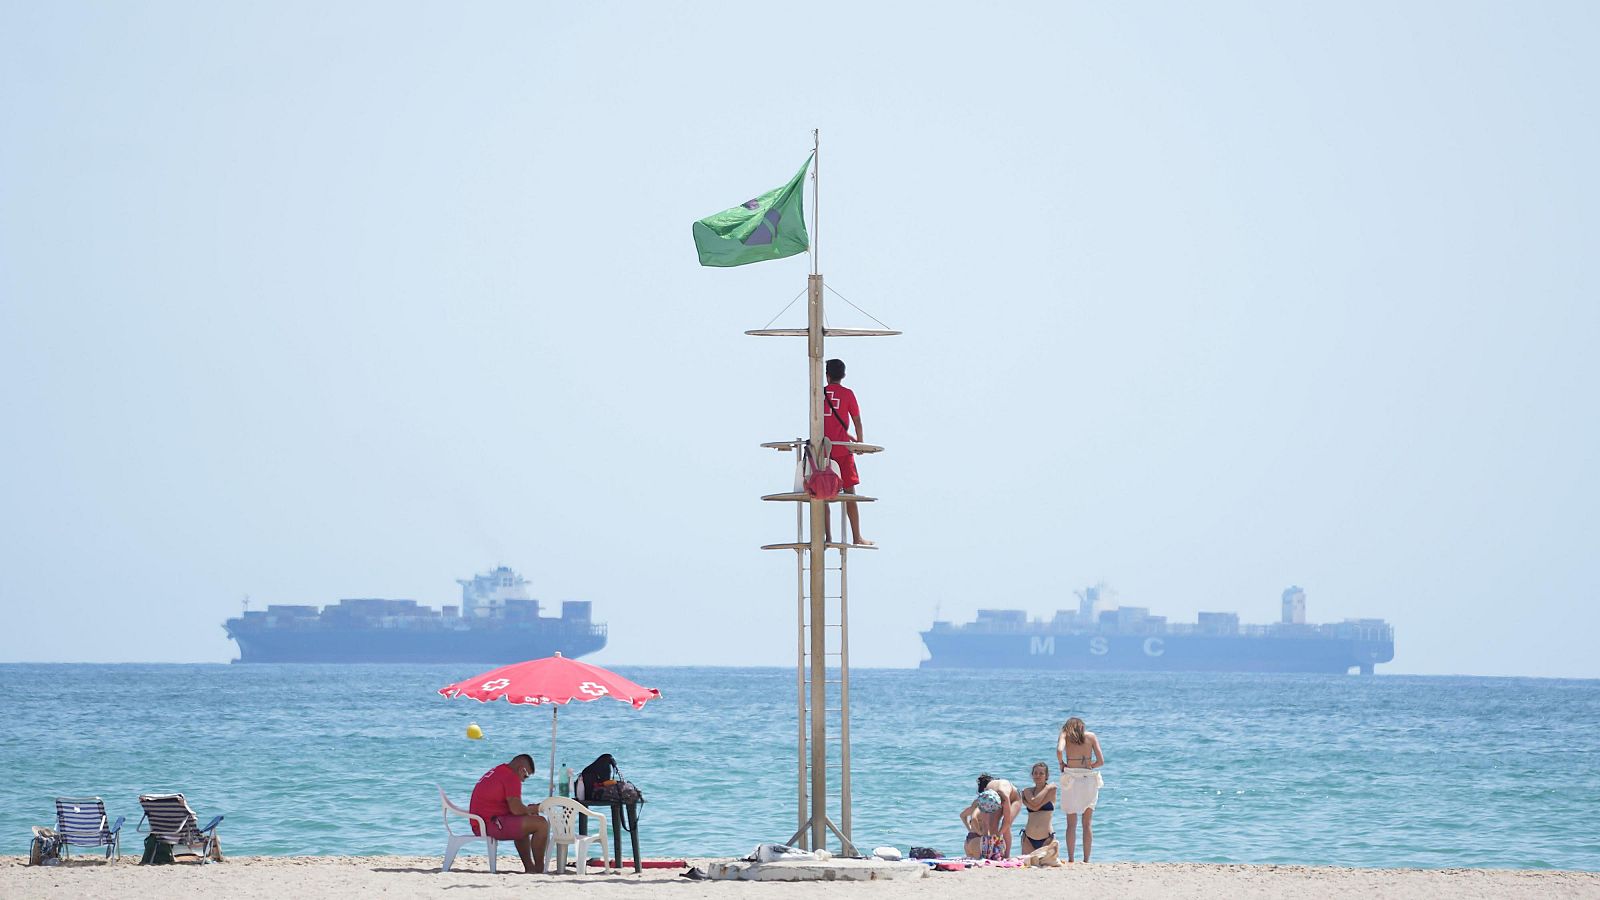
point(82, 822)
point(170, 818)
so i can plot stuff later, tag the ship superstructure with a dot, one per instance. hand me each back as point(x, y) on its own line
point(496, 622)
point(1102, 635)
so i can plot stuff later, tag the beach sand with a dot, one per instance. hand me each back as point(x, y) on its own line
point(405, 877)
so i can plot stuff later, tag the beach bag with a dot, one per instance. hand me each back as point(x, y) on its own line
point(604, 768)
point(156, 852)
point(602, 782)
point(1046, 856)
point(822, 479)
point(924, 853)
point(45, 848)
point(618, 792)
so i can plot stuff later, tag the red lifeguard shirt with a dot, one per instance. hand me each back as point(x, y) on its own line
point(838, 403)
point(489, 795)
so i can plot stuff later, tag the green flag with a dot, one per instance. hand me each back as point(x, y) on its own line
point(772, 226)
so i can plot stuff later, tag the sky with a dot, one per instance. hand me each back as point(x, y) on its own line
point(303, 301)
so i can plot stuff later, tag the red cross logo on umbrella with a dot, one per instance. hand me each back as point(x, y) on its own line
point(593, 689)
point(497, 684)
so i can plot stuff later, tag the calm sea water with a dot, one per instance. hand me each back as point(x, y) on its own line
point(1385, 771)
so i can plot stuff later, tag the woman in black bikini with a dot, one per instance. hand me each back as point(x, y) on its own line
point(1040, 800)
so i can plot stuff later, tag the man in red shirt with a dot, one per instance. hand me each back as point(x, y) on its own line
point(498, 799)
point(838, 407)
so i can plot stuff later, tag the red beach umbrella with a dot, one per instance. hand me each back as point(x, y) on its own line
point(555, 680)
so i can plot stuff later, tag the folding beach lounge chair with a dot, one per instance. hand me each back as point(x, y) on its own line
point(563, 813)
point(81, 822)
point(170, 819)
point(454, 841)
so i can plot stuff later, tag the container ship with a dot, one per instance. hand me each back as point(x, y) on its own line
point(496, 622)
point(1100, 636)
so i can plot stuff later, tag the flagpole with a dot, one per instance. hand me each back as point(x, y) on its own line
point(817, 551)
point(816, 216)
point(813, 747)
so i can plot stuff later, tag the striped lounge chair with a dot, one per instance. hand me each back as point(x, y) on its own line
point(169, 818)
point(81, 822)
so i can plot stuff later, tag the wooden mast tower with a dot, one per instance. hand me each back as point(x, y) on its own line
point(822, 640)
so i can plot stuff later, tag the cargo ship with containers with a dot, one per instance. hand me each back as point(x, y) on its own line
point(496, 622)
point(1099, 635)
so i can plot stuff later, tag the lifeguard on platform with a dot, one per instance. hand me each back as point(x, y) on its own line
point(841, 406)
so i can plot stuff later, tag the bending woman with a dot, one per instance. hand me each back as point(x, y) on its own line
point(1078, 752)
point(1040, 802)
point(982, 821)
point(1010, 805)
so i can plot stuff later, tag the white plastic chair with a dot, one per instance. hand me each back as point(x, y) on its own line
point(455, 842)
point(562, 813)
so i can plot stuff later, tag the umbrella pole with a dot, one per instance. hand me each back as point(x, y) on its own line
point(553, 711)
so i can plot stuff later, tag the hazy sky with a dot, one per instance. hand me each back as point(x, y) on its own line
point(307, 301)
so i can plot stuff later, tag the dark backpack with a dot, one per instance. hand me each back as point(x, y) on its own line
point(604, 768)
point(156, 851)
point(603, 783)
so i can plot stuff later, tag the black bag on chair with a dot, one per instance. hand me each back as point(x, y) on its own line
point(604, 768)
point(602, 782)
point(618, 792)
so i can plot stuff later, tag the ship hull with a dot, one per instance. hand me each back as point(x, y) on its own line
point(1151, 653)
point(398, 645)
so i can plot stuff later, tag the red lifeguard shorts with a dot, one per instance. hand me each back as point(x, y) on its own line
point(846, 461)
point(502, 828)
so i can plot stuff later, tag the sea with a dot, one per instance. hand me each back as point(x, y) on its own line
point(1382, 771)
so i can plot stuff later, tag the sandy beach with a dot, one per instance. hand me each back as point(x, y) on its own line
point(404, 877)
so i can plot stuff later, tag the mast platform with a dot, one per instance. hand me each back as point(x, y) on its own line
point(830, 546)
point(803, 497)
point(826, 332)
point(801, 442)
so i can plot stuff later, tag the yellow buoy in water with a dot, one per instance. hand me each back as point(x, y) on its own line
point(474, 732)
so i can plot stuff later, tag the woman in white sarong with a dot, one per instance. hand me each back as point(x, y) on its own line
point(1078, 752)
